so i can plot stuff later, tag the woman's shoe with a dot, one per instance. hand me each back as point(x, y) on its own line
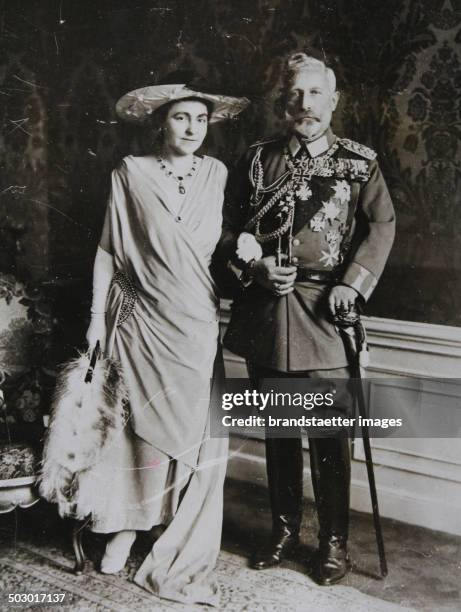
point(117, 552)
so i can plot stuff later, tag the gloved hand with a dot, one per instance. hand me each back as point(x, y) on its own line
point(97, 331)
point(103, 272)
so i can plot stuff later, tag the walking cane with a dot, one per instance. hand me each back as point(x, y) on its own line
point(353, 333)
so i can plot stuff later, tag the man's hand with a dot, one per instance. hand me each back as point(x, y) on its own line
point(278, 279)
point(341, 297)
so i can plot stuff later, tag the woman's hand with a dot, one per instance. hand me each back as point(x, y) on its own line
point(97, 331)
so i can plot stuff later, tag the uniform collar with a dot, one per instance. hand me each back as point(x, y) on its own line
point(315, 147)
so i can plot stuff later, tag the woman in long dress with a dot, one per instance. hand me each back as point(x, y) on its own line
point(155, 310)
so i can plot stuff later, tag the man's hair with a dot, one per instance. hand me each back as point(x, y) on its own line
point(298, 62)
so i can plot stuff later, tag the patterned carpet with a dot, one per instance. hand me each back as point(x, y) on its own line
point(26, 567)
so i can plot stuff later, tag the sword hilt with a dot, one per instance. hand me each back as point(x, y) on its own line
point(349, 319)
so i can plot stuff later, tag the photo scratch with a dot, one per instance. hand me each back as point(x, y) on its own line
point(15, 189)
point(60, 212)
point(15, 76)
point(18, 123)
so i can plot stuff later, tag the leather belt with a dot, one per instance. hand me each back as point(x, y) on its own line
point(320, 276)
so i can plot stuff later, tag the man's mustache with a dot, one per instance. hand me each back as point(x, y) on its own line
point(301, 116)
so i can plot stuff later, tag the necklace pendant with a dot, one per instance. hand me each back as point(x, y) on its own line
point(181, 189)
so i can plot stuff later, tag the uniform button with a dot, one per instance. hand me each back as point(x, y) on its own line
point(294, 259)
point(296, 242)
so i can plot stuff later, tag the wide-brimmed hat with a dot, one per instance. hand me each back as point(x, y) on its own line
point(136, 106)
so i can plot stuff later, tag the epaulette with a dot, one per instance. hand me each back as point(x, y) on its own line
point(264, 141)
point(357, 148)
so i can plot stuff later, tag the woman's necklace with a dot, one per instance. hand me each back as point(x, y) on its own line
point(167, 169)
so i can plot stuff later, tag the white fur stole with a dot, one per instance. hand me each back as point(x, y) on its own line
point(85, 417)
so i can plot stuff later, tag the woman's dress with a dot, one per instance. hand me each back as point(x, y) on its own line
point(162, 321)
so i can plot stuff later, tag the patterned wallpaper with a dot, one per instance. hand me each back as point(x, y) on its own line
point(64, 64)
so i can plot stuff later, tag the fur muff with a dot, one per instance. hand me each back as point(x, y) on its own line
point(85, 418)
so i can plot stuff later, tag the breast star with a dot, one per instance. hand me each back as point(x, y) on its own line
point(329, 258)
point(317, 223)
point(342, 191)
point(330, 210)
point(332, 237)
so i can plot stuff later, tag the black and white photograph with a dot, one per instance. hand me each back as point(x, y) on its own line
point(230, 337)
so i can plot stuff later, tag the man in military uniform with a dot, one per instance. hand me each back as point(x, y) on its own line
point(308, 226)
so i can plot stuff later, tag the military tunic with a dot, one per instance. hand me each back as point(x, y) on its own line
point(326, 207)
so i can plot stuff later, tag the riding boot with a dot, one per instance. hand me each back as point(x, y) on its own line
point(284, 462)
point(331, 473)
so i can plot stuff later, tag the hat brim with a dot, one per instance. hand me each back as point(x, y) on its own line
point(136, 106)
